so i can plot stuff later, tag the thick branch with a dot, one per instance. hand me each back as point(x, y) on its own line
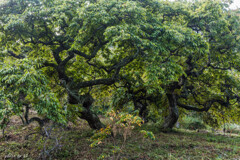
point(56, 54)
point(189, 107)
point(105, 81)
point(81, 54)
point(41, 122)
point(98, 67)
point(114, 78)
point(48, 64)
point(15, 55)
point(207, 105)
point(65, 61)
point(93, 54)
point(220, 68)
point(124, 61)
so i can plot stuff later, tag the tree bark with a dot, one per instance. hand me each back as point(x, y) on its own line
point(92, 119)
point(40, 121)
point(142, 107)
point(87, 101)
point(26, 113)
point(172, 118)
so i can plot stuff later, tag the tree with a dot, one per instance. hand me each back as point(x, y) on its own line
point(84, 43)
point(210, 80)
point(24, 86)
point(197, 67)
point(150, 48)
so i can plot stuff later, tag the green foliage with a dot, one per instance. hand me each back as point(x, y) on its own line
point(57, 56)
point(146, 48)
point(99, 136)
point(22, 84)
point(192, 121)
point(193, 124)
point(100, 110)
point(231, 128)
point(148, 134)
point(120, 124)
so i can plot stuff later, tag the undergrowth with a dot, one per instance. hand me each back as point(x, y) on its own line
point(75, 144)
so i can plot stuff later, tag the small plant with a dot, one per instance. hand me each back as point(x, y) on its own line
point(120, 124)
point(147, 134)
point(100, 135)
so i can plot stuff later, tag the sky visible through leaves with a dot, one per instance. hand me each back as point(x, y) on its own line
point(235, 5)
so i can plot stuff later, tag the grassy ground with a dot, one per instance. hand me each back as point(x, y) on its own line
point(74, 141)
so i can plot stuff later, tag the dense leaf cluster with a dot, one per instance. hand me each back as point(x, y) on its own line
point(145, 52)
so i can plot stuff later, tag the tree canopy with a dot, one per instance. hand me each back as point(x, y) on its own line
point(57, 56)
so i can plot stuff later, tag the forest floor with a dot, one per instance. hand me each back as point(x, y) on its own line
point(74, 144)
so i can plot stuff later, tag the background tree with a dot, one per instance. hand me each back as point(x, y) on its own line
point(194, 67)
point(207, 72)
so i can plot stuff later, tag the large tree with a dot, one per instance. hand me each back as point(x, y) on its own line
point(210, 81)
point(184, 51)
point(197, 68)
point(85, 43)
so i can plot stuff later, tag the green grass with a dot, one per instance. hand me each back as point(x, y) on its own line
point(180, 144)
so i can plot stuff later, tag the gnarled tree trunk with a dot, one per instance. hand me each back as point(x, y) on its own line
point(173, 112)
point(92, 119)
point(87, 101)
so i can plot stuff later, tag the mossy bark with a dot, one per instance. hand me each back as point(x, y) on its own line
point(172, 118)
point(86, 114)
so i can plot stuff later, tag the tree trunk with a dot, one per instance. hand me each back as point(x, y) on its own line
point(142, 107)
point(87, 101)
point(26, 113)
point(173, 112)
point(92, 119)
point(143, 113)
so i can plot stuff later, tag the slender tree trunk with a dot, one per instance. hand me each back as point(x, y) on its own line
point(26, 113)
point(173, 112)
point(24, 118)
point(23, 122)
